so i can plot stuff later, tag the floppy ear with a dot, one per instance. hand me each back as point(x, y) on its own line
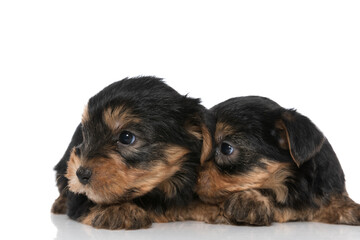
point(202, 127)
point(207, 140)
point(299, 135)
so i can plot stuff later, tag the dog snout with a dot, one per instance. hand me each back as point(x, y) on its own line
point(83, 175)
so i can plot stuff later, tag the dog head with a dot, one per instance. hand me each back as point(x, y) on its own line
point(139, 136)
point(258, 143)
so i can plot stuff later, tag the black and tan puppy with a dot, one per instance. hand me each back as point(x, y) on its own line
point(273, 164)
point(134, 157)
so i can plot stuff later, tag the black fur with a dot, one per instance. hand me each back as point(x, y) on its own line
point(61, 167)
point(317, 173)
point(164, 114)
point(184, 181)
point(78, 205)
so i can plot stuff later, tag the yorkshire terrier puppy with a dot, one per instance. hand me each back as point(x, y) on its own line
point(134, 157)
point(273, 164)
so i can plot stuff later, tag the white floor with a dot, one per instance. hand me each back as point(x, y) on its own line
point(57, 54)
point(68, 229)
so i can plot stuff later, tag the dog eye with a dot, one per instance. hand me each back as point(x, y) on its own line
point(126, 138)
point(226, 149)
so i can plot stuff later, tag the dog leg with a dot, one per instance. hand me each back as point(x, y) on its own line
point(194, 211)
point(249, 207)
point(59, 206)
point(340, 210)
point(199, 211)
point(122, 216)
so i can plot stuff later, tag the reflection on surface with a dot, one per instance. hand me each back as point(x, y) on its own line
point(69, 229)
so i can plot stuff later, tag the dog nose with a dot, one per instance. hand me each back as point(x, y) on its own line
point(83, 175)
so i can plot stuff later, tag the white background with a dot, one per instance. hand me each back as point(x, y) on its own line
point(54, 55)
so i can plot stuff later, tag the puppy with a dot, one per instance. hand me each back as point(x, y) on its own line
point(273, 164)
point(134, 156)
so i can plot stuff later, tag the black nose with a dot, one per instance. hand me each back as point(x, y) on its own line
point(84, 175)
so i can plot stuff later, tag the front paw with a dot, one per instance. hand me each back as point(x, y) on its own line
point(59, 206)
point(249, 207)
point(123, 216)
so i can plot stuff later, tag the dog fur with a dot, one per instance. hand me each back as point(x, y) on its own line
point(273, 164)
point(134, 157)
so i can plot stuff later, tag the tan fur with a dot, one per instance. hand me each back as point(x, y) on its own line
point(112, 180)
point(284, 136)
point(206, 144)
point(85, 115)
point(129, 216)
point(193, 129)
point(201, 133)
point(288, 214)
point(59, 206)
point(119, 117)
point(118, 216)
point(73, 165)
point(284, 141)
point(339, 210)
point(194, 211)
point(249, 207)
point(214, 186)
point(222, 129)
point(168, 188)
point(257, 197)
point(276, 180)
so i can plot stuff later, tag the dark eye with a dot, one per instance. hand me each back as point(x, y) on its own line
point(226, 149)
point(127, 138)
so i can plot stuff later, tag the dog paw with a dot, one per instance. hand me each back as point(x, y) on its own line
point(249, 207)
point(124, 216)
point(59, 206)
point(340, 210)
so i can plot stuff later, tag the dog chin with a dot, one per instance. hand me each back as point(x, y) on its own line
point(76, 187)
point(96, 198)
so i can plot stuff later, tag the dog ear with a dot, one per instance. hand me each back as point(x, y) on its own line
point(299, 135)
point(202, 126)
point(207, 129)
